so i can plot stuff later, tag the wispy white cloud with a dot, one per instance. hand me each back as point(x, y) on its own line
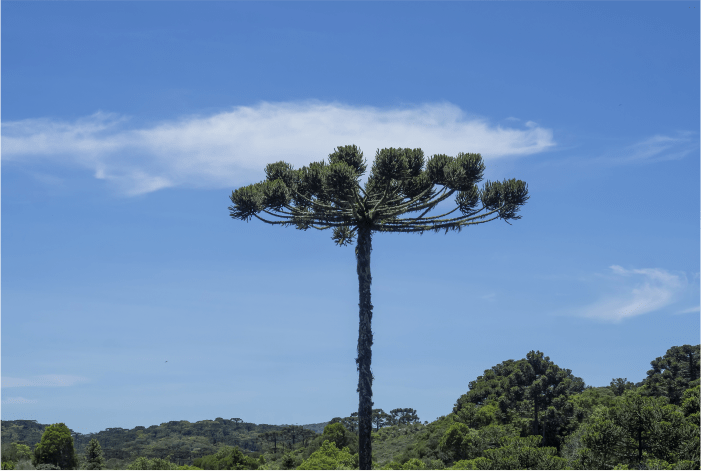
point(18, 400)
point(634, 292)
point(42, 381)
point(230, 149)
point(659, 148)
point(690, 310)
point(653, 149)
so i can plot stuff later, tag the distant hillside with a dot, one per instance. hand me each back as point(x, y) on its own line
point(183, 441)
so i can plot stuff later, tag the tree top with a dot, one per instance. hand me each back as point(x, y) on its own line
point(329, 195)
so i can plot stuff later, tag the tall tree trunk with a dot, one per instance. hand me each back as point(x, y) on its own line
point(362, 253)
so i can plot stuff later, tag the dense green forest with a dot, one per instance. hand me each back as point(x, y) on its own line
point(520, 414)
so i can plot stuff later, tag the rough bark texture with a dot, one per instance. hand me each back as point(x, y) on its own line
point(364, 350)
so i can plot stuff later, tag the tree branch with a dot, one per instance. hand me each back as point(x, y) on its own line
point(447, 221)
point(278, 215)
point(433, 227)
point(316, 204)
point(430, 205)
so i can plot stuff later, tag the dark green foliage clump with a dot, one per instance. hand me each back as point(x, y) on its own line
point(93, 455)
point(531, 394)
point(227, 458)
point(673, 373)
point(56, 448)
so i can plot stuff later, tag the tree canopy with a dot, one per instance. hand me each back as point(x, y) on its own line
point(323, 196)
point(531, 393)
point(56, 448)
point(673, 373)
point(93, 455)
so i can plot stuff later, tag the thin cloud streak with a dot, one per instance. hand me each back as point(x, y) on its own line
point(18, 400)
point(690, 310)
point(42, 381)
point(653, 290)
point(654, 149)
point(231, 148)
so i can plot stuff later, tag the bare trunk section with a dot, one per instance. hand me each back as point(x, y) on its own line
point(364, 349)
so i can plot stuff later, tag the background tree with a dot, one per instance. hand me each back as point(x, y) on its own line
point(154, 463)
point(404, 416)
point(690, 403)
point(634, 414)
point(460, 442)
point(635, 430)
point(307, 435)
point(56, 448)
point(523, 453)
point(13, 453)
point(227, 458)
point(337, 434)
point(673, 373)
point(293, 433)
point(273, 438)
point(549, 392)
point(620, 385)
point(330, 196)
point(380, 418)
point(93, 455)
point(602, 441)
point(533, 394)
point(351, 423)
point(329, 456)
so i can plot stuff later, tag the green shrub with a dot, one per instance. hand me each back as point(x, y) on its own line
point(330, 457)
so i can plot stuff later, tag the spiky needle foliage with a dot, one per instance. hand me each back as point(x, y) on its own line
point(329, 196)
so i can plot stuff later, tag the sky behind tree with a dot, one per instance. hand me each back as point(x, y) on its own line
point(130, 297)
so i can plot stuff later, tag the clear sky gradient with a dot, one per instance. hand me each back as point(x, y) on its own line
point(130, 297)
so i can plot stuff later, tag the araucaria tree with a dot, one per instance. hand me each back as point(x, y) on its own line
point(330, 196)
point(93, 455)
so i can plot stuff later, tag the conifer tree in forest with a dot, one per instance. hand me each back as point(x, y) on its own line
point(293, 433)
point(330, 196)
point(93, 455)
point(380, 418)
point(513, 390)
point(672, 374)
point(404, 416)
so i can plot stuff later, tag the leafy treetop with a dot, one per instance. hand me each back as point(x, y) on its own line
point(323, 196)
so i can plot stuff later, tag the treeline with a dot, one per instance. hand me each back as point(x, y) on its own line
point(532, 414)
point(182, 441)
point(520, 414)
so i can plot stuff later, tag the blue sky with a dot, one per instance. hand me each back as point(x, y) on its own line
point(130, 297)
